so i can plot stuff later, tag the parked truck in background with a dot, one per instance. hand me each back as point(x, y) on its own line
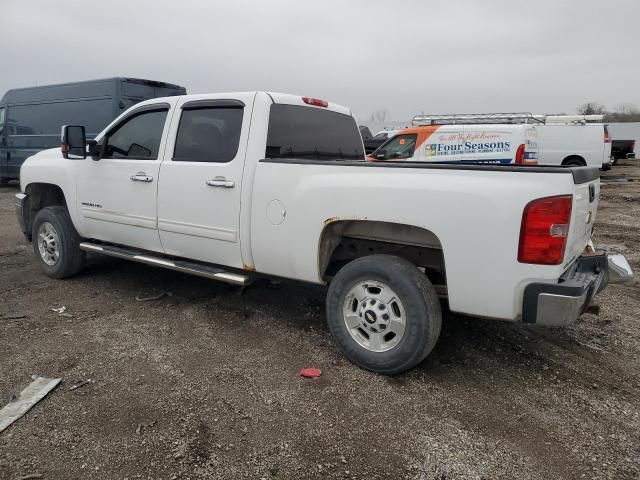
point(236, 186)
point(30, 118)
point(621, 149)
point(370, 145)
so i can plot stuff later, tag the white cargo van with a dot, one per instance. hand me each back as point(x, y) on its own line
point(574, 140)
point(493, 138)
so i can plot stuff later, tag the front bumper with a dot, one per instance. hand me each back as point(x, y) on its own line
point(560, 304)
point(21, 211)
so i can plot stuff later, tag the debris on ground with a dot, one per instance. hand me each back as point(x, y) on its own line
point(140, 298)
point(30, 476)
point(14, 316)
point(144, 426)
point(80, 384)
point(18, 406)
point(309, 373)
point(59, 310)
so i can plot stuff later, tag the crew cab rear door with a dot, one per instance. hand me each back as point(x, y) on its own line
point(201, 178)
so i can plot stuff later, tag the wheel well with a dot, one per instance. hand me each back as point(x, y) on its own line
point(574, 158)
point(345, 240)
point(41, 195)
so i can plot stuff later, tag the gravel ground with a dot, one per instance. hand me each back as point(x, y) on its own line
point(202, 383)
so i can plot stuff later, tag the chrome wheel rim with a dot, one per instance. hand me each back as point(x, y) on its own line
point(374, 316)
point(48, 244)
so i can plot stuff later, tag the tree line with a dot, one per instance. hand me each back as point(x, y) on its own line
point(624, 112)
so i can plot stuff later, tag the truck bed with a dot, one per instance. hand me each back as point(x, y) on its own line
point(580, 174)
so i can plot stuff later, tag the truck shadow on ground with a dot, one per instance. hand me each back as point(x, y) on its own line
point(465, 342)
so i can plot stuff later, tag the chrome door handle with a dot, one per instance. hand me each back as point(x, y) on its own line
point(141, 177)
point(220, 182)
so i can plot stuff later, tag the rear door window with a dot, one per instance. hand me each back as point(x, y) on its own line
point(138, 137)
point(208, 134)
point(312, 133)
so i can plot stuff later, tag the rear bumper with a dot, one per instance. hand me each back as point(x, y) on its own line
point(21, 211)
point(560, 304)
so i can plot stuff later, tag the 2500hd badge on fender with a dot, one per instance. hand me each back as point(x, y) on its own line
point(233, 186)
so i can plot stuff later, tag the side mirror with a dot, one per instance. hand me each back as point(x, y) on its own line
point(73, 142)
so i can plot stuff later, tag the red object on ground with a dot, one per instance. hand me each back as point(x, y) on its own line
point(310, 373)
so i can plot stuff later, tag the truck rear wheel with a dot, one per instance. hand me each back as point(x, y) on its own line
point(383, 313)
point(56, 243)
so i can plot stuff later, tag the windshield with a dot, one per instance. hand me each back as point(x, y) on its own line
point(381, 135)
point(400, 146)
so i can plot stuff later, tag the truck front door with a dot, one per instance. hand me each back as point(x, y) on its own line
point(116, 196)
point(201, 177)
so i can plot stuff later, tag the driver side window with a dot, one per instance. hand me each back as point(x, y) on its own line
point(400, 146)
point(138, 137)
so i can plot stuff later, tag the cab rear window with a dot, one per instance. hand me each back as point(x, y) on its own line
point(312, 133)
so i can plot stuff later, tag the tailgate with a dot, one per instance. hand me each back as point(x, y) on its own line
point(583, 214)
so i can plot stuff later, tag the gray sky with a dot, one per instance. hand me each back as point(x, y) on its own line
point(406, 56)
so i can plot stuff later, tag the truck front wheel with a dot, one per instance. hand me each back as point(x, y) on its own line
point(383, 313)
point(56, 243)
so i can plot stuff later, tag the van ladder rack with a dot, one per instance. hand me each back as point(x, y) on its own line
point(461, 118)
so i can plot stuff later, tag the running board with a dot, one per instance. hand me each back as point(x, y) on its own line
point(177, 265)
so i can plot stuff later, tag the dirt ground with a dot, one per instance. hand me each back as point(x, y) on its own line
point(202, 383)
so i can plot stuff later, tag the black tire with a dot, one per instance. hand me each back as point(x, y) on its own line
point(421, 306)
point(71, 259)
point(4, 181)
point(574, 162)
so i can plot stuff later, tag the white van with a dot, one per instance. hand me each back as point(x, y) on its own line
point(499, 139)
point(574, 140)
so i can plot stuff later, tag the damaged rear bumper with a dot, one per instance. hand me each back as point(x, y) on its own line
point(560, 304)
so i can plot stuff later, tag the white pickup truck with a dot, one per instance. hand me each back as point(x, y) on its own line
point(241, 185)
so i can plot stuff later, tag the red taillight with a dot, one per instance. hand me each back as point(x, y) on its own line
point(607, 139)
point(520, 154)
point(544, 229)
point(315, 101)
